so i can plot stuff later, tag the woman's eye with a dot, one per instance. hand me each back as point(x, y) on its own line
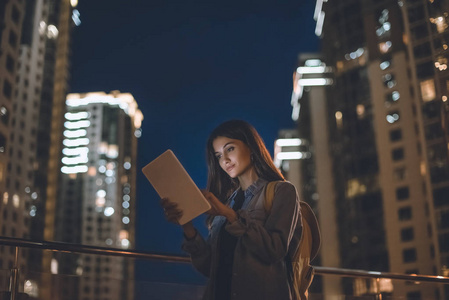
point(218, 157)
point(230, 149)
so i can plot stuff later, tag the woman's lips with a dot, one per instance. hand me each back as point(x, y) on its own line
point(228, 169)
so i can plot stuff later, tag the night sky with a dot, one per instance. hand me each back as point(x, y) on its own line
point(191, 65)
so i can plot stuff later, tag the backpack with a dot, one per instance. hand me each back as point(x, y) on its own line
point(301, 272)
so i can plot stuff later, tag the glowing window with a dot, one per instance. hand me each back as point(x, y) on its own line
point(16, 201)
point(384, 47)
point(393, 117)
point(389, 80)
point(428, 90)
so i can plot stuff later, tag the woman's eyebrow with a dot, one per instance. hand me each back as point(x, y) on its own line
point(224, 146)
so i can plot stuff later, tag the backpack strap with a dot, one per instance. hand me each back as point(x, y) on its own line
point(300, 271)
point(269, 195)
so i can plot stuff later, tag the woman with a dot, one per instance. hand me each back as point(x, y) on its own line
point(245, 253)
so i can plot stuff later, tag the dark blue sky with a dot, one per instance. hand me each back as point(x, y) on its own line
point(190, 66)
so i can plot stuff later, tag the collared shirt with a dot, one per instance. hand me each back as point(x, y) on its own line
point(263, 240)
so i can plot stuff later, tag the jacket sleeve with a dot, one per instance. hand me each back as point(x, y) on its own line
point(269, 241)
point(200, 253)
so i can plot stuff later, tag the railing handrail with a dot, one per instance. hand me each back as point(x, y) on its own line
point(79, 248)
point(375, 274)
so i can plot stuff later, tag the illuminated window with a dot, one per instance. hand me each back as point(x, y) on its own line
point(339, 119)
point(389, 80)
point(16, 201)
point(385, 65)
point(428, 90)
point(391, 98)
point(384, 47)
point(440, 23)
point(393, 117)
point(441, 63)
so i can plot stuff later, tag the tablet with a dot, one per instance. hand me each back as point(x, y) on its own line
point(170, 180)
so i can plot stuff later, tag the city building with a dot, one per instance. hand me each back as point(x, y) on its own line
point(385, 143)
point(97, 193)
point(11, 20)
point(35, 44)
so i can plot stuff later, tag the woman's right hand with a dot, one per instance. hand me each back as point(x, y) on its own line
point(173, 214)
point(171, 211)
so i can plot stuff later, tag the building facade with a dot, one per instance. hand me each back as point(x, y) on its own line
point(386, 115)
point(97, 192)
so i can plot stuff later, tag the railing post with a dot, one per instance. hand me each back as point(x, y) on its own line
point(379, 293)
point(14, 277)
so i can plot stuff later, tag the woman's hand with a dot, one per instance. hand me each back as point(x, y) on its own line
point(173, 214)
point(171, 211)
point(218, 208)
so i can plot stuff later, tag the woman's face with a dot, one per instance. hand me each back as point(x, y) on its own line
point(234, 156)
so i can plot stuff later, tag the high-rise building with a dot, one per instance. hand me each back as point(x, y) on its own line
point(11, 20)
point(36, 79)
point(387, 137)
point(97, 192)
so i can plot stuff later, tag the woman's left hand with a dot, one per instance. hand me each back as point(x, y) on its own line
point(218, 208)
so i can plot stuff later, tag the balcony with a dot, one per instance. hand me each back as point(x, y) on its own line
point(172, 277)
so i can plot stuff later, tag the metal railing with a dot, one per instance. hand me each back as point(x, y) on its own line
point(85, 249)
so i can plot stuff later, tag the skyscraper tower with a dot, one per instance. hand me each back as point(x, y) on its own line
point(97, 192)
point(387, 137)
point(11, 20)
point(40, 69)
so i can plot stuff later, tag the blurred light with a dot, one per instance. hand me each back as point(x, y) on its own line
point(101, 193)
point(125, 204)
point(384, 47)
point(16, 201)
point(338, 115)
point(126, 198)
point(384, 65)
point(42, 27)
point(54, 266)
point(76, 17)
point(319, 23)
point(108, 211)
point(125, 243)
point(76, 116)
point(101, 169)
point(290, 155)
point(125, 220)
point(138, 133)
point(313, 70)
point(34, 196)
point(74, 160)
point(109, 242)
point(74, 3)
point(74, 169)
point(76, 125)
point(6, 197)
point(395, 96)
point(288, 142)
point(75, 134)
point(392, 118)
point(315, 81)
point(52, 32)
point(313, 62)
point(75, 151)
point(444, 98)
point(27, 190)
point(127, 165)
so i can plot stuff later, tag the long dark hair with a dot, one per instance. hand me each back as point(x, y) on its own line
point(218, 182)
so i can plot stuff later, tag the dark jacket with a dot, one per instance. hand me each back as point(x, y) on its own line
point(259, 268)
